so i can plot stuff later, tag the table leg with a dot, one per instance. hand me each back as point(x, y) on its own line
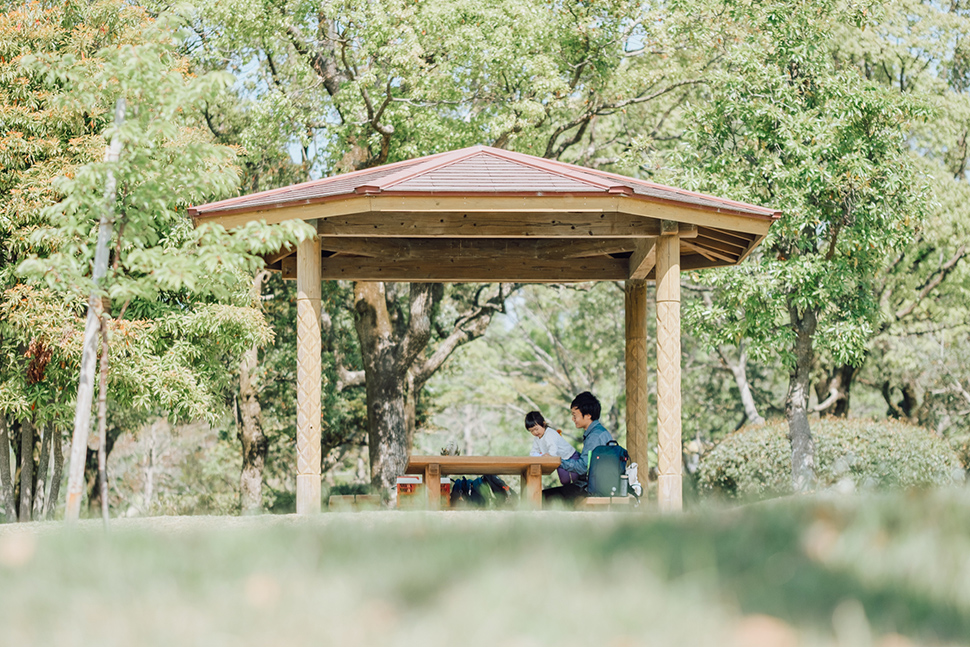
point(432, 484)
point(533, 487)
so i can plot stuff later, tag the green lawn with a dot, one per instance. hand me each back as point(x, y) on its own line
point(888, 571)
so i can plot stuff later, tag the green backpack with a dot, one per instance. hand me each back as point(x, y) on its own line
point(607, 463)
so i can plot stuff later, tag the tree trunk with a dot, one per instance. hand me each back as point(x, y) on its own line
point(385, 384)
point(43, 469)
point(796, 405)
point(58, 452)
point(6, 479)
point(26, 468)
point(255, 444)
point(396, 365)
point(740, 371)
point(92, 482)
point(150, 472)
point(85, 389)
point(103, 421)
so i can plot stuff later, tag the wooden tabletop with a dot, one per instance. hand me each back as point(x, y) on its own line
point(482, 464)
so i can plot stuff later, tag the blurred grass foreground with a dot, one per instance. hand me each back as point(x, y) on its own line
point(886, 570)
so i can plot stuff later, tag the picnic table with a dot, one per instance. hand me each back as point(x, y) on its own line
point(529, 468)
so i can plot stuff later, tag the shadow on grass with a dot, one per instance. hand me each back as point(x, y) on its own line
point(759, 559)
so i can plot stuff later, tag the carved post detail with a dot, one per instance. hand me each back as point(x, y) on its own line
point(308, 377)
point(636, 374)
point(670, 467)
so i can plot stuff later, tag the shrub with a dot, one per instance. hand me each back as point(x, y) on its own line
point(756, 463)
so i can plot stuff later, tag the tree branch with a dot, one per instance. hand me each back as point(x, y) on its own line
point(423, 298)
point(933, 282)
point(469, 326)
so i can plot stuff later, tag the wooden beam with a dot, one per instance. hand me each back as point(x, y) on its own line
point(643, 259)
point(276, 257)
point(585, 248)
point(670, 454)
point(701, 217)
point(462, 270)
point(635, 302)
point(698, 262)
point(487, 204)
point(688, 262)
point(288, 267)
point(687, 230)
point(308, 373)
point(480, 248)
point(489, 225)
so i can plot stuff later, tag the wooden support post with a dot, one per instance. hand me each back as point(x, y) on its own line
point(533, 487)
point(432, 484)
point(670, 467)
point(308, 377)
point(636, 374)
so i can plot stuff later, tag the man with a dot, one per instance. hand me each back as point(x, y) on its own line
point(585, 410)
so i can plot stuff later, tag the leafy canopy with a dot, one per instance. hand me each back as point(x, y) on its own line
point(790, 126)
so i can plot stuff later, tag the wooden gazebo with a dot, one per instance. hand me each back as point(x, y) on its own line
point(483, 214)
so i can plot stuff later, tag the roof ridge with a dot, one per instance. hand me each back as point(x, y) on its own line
point(673, 189)
point(426, 165)
point(623, 179)
point(570, 171)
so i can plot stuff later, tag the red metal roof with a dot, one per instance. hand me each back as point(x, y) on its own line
point(479, 170)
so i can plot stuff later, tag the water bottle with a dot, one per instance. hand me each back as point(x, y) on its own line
point(624, 485)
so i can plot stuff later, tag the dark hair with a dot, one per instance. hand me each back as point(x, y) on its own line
point(587, 404)
point(534, 418)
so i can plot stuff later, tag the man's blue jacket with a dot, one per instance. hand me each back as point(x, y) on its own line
point(595, 436)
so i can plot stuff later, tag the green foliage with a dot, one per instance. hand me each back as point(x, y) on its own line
point(179, 286)
point(790, 126)
point(756, 462)
point(351, 488)
point(161, 469)
point(357, 84)
point(42, 139)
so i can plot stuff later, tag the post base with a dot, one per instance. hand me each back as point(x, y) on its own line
point(670, 496)
point(307, 494)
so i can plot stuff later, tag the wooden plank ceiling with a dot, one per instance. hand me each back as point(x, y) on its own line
point(490, 259)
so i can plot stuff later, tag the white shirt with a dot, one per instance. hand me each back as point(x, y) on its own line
point(552, 444)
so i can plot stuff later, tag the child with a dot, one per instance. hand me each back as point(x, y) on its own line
point(549, 441)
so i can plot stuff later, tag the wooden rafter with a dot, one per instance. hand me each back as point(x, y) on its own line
point(740, 238)
point(463, 270)
point(708, 253)
point(643, 259)
point(721, 245)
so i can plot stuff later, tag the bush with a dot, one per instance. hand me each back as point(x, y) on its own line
point(756, 463)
